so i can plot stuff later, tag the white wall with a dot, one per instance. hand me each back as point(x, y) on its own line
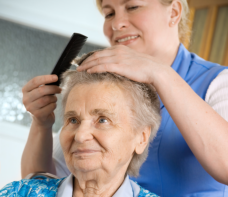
point(12, 141)
point(58, 16)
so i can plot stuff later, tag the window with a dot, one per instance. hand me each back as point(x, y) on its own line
point(209, 25)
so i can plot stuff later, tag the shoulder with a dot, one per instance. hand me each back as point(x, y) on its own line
point(218, 86)
point(217, 94)
point(220, 82)
point(221, 78)
point(32, 187)
point(199, 62)
point(193, 62)
point(145, 193)
point(202, 72)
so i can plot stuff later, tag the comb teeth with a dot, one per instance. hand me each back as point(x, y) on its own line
point(71, 51)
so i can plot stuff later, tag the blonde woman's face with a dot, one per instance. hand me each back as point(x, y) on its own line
point(142, 25)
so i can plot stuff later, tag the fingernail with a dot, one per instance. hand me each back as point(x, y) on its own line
point(54, 77)
point(88, 71)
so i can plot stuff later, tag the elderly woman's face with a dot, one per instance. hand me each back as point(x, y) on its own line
point(142, 25)
point(97, 133)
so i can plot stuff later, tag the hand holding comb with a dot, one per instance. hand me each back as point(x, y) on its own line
point(71, 51)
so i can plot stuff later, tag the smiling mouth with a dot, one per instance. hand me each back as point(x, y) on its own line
point(126, 39)
point(85, 152)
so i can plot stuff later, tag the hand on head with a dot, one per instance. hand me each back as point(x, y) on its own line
point(123, 61)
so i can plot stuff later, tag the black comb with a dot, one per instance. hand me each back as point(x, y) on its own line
point(70, 52)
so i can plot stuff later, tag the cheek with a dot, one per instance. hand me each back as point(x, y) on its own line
point(119, 147)
point(151, 22)
point(109, 142)
point(147, 24)
point(65, 140)
point(105, 140)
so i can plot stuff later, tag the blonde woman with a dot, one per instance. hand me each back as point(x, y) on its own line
point(188, 157)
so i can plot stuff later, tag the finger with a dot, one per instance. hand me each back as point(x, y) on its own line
point(112, 68)
point(108, 52)
point(39, 92)
point(99, 61)
point(120, 70)
point(40, 103)
point(38, 81)
point(98, 54)
point(45, 111)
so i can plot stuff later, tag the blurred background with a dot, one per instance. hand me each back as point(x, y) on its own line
point(209, 25)
point(34, 33)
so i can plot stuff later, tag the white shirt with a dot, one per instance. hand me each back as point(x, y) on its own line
point(217, 94)
point(216, 97)
point(127, 189)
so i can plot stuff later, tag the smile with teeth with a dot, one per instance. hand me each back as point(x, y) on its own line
point(127, 38)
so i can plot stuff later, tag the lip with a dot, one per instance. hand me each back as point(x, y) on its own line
point(127, 41)
point(80, 152)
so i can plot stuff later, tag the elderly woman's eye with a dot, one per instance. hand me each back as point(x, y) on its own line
point(103, 120)
point(73, 121)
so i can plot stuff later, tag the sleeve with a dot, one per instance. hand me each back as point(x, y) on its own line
point(8, 190)
point(58, 158)
point(217, 94)
point(16, 188)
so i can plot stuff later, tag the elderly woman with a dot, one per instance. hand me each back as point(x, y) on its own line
point(188, 157)
point(109, 121)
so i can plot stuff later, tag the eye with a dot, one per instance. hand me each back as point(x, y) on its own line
point(109, 15)
point(103, 120)
point(73, 121)
point(133, 7)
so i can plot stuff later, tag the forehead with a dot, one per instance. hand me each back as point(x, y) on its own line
point(106, 3)
point(96, 95)
point(119, 1)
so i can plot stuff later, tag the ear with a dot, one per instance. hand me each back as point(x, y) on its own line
point(176, 11)
point(143, 140)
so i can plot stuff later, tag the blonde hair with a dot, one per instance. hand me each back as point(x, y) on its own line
point(183, 27)
point(145, 105)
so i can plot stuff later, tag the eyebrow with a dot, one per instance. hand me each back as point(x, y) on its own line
point(103, 112)
point(69, 114)
point(108, 6)
point(100, 112)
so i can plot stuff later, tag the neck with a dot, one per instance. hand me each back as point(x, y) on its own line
point(166, 55)
point(97, 184)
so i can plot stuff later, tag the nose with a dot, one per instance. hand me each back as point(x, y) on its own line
point(84, 132)
point(120, 22)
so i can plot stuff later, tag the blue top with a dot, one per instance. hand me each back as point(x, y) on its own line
point(171, 169)
point(47, 188)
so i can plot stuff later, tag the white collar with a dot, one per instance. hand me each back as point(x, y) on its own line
point(66, 187)
point(127, 189)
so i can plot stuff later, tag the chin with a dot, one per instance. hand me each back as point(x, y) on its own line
point(85, 166)
point(137, 47)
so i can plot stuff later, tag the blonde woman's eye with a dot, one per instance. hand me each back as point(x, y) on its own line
point(73, 121)
point(109, 15)
point(133, 7)
point(103, 120)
